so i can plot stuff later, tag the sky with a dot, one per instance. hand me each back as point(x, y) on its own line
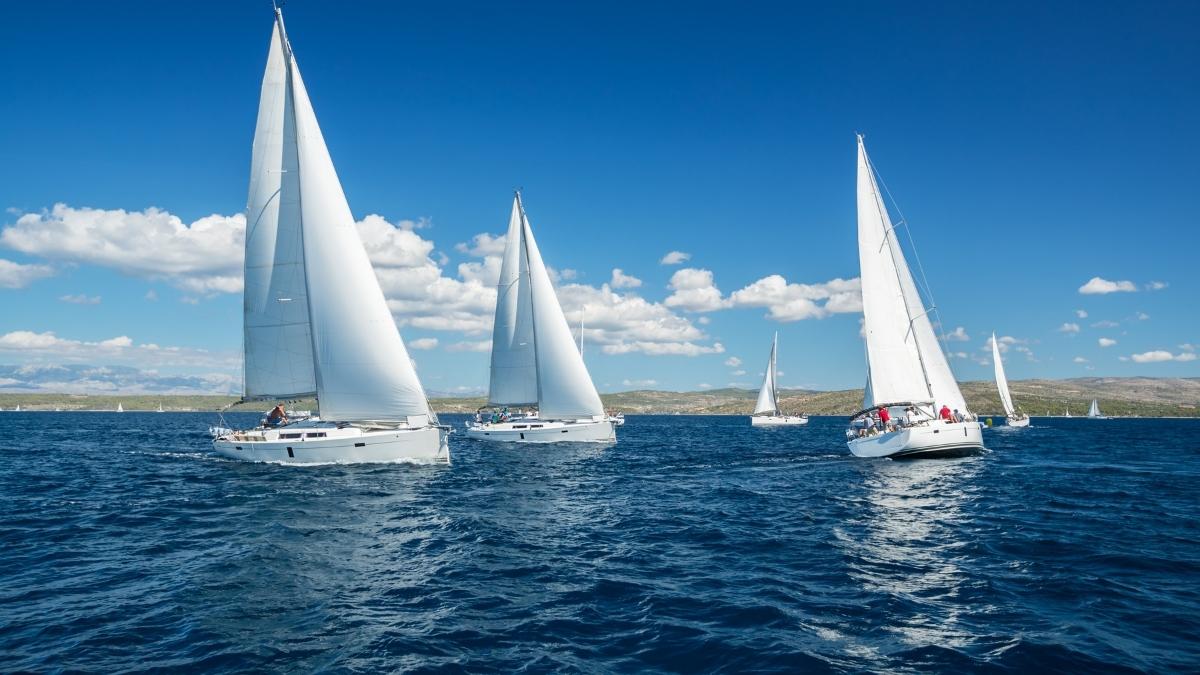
point(688, 170)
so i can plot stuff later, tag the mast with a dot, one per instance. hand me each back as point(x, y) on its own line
point(532, 314)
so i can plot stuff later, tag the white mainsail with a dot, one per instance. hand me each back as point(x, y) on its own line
point(278, 348)
point(514, 367)
point(305, 234)
point(1094, 411)
point(767, 399)
point(1001, 380)
point(905, 361)
point(528, 305)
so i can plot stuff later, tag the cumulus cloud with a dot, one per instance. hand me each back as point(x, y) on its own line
point(1082, 314)
point(1106, 323)
point(1006, 342)
point(958, 335)
point(1161, 355)
point(675, 258)
point(663, 348)
point(27, 346)
point(80, 299)
point(786, 302)
point(202, 257)
point(470, 346)
point(1069, 328)
point(639, 383)
point(622, 280)
point(1156, 285)
point(16, 275)
point(1079, 359)
point(423, 343)
point(1106, 342)
point(693, 290)
point(1098, 286)
point(112, 379)
point(733, 362)
point(483, 245)
point(1142, 316)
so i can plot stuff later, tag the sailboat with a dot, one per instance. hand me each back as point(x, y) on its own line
point(1094, 411)
point(907, 371)
point(160, 408)
point(315, 319)
point(1013, 417)
point(120, 408)
point(1067, 413)
point(766, 409)
point(535, 362)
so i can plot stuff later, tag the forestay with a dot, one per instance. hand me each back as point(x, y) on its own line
point(905, 361)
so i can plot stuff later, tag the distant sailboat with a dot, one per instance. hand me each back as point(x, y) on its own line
point(535, 361)
point(120, 408)
point(1068, 412)
point(18, 408)
point(766, 409)
point(907, 370)
point(1013, 418)
point(1094, 411)
point(160, 408)
point(316, 321)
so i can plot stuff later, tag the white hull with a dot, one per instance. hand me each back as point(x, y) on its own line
point(777, 420)
point(301, 444)
point(933, 439)
point(1017, 421)
point(533, 430)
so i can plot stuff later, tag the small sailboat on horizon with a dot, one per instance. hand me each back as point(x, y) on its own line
point(766, 408)
point(1094, 411)
point(315, 320)
point(120, 408)
point(536, 368)
point(907, 371)
point(1012, 417)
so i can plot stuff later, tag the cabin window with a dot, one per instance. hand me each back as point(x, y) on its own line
point(290, 435)
point(319, 434)
point(521, 426)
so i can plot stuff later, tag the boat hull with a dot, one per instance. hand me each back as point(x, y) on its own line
point(424, 445)
point(777, 420)
point(935, 439)
point(1017, 421)
point(532, 430)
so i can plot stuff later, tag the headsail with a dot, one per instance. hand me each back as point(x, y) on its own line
point(362, 369)
point(514, 367)
point(278, 347)
point(767, 395)
point(905, 361)
point(1001, 380)
point(565, 389)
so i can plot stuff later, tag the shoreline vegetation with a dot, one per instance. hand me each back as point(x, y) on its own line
point(1118, 397)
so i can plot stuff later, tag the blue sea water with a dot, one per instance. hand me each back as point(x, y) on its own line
point(693, 544)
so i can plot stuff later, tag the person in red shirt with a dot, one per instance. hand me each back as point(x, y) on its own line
point(944, 412)
point(884, 418)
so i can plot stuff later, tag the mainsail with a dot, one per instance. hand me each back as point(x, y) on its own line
point(358, 362)
point(905, 362)
point(767, 397)
point(1001, 380)
point(531, 328)
point(1094, 411)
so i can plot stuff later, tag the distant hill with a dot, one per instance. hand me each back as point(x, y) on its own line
point(1120, 396)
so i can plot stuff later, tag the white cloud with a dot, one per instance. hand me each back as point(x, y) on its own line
point(1081, 313)
point(639, 383)
point(1161, 355)
point(1098, 286)
point(203, 257)
point(1005, 342)
point(470, 346)
point(1142, 316)
point(704, 385)
point(958, 335)
point(1106, 342)
point(733, 362)
point(1188, 347)
point(788, 302)
point(622, 280)
point(1079, 359)
point(738, 373)
point(423, 343)
point(80, 299)
point(694, 291)
point(663, 348)
point(31, 347)
point(483, 245)
point(1069, 328)
point(1106, 323)
point(1156, 285)
point(16, 275)
point(675, 258)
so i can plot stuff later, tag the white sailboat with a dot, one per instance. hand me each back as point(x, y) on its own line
point(316, 322)
point(120, 408)
point(535, 362)
point(766, 409)
point(160, 408)
point(1067, 413)
point(1013, 417)
point(1094, 411)
point(907, 371)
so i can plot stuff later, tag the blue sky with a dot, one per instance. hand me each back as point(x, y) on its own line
point(1031, 148)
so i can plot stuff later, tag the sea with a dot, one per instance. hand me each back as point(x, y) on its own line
point(694, 544)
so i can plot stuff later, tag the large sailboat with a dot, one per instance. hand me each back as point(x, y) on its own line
point(907, 371)
point(315, 319)
point(1013, 417)
point(1094, 411)
point(766, 409)
point(535, 362)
